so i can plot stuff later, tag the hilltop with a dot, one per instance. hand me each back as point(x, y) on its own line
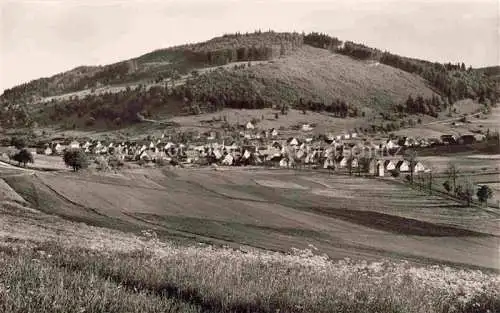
point(308, 72)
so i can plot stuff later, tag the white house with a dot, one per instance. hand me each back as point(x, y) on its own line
point(419, 167)
point(250, 125)
point(343, 162)
point(274, 132)
point(217, 154)
point(284, 162)
point(347, 136)
point(47, 151)
point(58, 148)
point(391, 145)
point(293, 142)
point(354, 162)
point(354, 135)
point(247, 154)
point(389, 165)
point(228, 160)
point(306, 127)
point(86, 145)
point(74, 145)
point(403, 166)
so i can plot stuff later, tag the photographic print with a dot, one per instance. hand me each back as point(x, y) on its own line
point(278, 156)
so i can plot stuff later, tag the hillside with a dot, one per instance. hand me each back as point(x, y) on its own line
point(254, 71)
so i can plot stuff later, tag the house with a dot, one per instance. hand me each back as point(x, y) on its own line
point(346, 136)
point(47, 151)
point(329, 164)
point(250, 125)
point(479, 137)
point(276, 145)
point(467, 139)
point(274, 132)
point(390, 144)
point(293, 142)
point(247, 154)
point(403, 166)
point(389, 165)
point(58, 148)
point(74, 145)
point(306, 127)
point(228, 160)
point(449, 139)
point(342, 162)
point(419, 167)
point(354, 162)
point(354, 135)
point(146, 156)
point(284, 162)
point(217, 154)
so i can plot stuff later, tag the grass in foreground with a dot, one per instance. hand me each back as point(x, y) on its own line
point(164, 278)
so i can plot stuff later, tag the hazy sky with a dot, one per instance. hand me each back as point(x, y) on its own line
point(44, 37)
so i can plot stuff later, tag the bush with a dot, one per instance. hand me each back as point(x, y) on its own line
point(115, 162)
point(102, 163)
point(76, 159)
point(395, 173)
point(24, 156)
point(17, 142)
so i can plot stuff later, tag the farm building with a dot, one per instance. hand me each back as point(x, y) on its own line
point(250, 125)
point(467, 139)
point(449, 139)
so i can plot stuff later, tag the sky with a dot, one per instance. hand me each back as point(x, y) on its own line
point(45, 37)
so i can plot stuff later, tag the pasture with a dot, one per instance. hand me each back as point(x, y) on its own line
point(341, 216)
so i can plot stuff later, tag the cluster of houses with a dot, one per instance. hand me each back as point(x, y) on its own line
point(347, 151)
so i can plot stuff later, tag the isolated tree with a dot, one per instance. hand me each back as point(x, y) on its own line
point(468, 192)
point(77, 159)
point(452, 173)
point(24, 156)
point(411, 157)
point(484, 193)
point(447, 186)
point(349, 165)
point(364, 165)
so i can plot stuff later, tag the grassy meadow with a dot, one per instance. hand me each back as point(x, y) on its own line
point(161, 277)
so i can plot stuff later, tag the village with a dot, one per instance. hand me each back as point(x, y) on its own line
point(349, 151)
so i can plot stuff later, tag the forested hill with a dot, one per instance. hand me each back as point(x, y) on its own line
point(266, 69)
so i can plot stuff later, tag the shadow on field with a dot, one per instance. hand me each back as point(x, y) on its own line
point(230, 231)
point(396, 224)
